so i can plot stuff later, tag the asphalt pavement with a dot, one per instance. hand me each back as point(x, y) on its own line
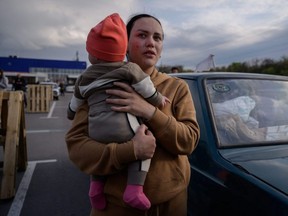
point(51, 185)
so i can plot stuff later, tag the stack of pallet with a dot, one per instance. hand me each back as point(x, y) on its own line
point(13, 140)
point(39, 98)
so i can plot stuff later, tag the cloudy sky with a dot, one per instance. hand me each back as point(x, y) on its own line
point(232, 30)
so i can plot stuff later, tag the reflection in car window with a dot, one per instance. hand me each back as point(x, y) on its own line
point(249, 111)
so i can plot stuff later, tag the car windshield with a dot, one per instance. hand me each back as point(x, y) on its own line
point(249, 111)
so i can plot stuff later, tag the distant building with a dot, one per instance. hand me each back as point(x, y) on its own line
point(54, 70)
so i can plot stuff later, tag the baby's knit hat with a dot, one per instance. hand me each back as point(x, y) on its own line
point(108, 39)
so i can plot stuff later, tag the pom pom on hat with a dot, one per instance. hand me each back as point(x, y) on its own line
point(108, 39)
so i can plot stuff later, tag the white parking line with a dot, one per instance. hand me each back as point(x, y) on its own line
point(51, 111)
point(16, 206)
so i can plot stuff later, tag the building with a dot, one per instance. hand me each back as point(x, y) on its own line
point(36, 70)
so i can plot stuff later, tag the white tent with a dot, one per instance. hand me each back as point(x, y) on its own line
point(206, 64)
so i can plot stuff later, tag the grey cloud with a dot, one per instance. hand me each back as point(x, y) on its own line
point(237, 32)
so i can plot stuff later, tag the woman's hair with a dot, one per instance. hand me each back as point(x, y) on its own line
point(134, 18)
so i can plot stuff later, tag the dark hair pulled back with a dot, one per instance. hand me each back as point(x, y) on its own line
point(134, 18)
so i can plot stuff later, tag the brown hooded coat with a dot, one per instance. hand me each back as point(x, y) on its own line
point(176, 131)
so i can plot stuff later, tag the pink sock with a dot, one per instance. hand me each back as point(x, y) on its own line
point(96, 195)
point(134, 196)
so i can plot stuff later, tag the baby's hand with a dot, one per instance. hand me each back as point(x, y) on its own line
point(165, 100)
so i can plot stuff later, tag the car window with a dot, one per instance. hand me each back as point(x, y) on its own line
point(249, 112)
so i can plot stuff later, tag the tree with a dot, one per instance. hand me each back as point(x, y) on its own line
point(265, 66)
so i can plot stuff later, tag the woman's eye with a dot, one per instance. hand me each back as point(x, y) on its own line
point(158, 38)
point(142, 35)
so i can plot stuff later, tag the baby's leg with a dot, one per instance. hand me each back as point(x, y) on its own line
point(96, 192)
point(133, 194)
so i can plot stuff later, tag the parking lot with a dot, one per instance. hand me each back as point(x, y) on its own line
point(51, 184)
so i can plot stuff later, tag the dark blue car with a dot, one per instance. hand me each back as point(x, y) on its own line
point(240, 166)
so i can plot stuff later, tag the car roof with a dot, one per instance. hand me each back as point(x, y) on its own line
point(204, 75)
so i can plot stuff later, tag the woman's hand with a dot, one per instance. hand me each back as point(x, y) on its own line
point(130, 101)
point(144, 143)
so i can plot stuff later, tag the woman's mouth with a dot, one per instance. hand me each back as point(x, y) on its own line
point(149, 53)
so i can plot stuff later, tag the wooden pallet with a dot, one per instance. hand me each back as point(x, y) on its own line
point(39, 98)
point(13, 140)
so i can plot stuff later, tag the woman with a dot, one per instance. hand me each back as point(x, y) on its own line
point(173, 133)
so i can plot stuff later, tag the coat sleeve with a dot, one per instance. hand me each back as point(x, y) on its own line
point(93, 157)
point(175, 126)
point(140, 82)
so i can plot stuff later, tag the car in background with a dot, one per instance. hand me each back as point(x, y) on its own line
point(55, 89)
point(70, 88)
point(240, 166)
point(70, 82)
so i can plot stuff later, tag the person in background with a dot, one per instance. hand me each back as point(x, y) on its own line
point(174, 70)
point(169, 134)
point(107, 45)
point(62, 88)
point(3, 81)
point(19, 84)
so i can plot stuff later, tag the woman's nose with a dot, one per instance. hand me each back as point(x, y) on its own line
point(150, 42)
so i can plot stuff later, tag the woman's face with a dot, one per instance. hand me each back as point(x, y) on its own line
point(145, 43)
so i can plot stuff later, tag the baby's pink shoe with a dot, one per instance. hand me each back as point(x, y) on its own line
point(96, 195)
point(135, 197)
